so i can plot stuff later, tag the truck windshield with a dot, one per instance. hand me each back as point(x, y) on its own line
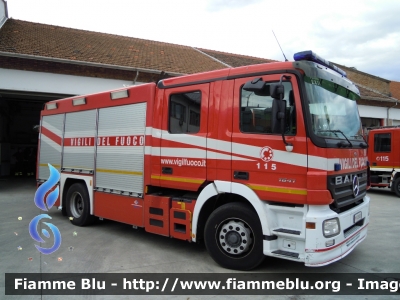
point(333, 110)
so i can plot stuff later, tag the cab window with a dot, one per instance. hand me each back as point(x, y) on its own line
point(255, 112)
point(184, 112)
point(382, 142)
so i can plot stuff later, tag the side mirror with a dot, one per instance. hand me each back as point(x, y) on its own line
point(258, 87)
point(278, 116)
point(278, 120)
point(277, 90)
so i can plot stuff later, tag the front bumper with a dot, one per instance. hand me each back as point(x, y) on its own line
point(292, 240)
point(353, 232)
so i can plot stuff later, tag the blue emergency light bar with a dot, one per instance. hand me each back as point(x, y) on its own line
point(311, 56)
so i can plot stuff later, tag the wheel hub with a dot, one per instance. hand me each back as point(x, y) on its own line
point(235, 238)
point(76, 205)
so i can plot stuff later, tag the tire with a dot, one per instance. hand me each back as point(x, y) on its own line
point(78, 205)
point(396, 187)
point(64, 211)
point(233, 237)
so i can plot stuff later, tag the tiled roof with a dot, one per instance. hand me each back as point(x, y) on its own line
point(367, 92)
point(41, 40)
point(395, 89)
point(29, 38)
point(352, 69)
point(236, 60)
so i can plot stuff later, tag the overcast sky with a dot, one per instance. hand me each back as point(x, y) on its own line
point(364, 34)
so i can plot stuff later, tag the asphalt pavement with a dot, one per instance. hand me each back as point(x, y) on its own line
point(111, 247)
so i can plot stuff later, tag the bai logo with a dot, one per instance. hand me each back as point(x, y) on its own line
point(39, 202)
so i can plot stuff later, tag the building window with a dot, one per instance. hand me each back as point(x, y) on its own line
point(178, 111)
point(194, 118)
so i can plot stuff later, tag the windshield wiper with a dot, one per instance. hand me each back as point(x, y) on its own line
point(335, 132)
point(362, 145)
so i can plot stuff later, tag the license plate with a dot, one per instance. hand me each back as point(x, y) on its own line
point(357, 217)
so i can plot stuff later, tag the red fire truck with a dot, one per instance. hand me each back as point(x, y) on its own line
point(262, 160)
point(384, 157)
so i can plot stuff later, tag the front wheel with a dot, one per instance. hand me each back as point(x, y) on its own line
point(78, 205)
point(233, 237)
point(396, 186)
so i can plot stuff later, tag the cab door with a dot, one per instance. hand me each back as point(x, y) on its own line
point(382, 154)
point(183, 137)
point(260, 159)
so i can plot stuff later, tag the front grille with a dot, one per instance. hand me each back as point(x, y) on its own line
point(341, 188)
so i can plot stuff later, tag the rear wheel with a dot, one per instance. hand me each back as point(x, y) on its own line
point(233, 237)
point(396, 186)
point(78, 205)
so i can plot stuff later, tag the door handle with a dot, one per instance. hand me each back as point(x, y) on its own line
point(241, 175)
point(166, 170)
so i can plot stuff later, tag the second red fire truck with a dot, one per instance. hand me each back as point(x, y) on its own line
point(384, 157)
point(262, 160)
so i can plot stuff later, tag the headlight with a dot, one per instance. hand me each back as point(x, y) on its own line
point(331, 227)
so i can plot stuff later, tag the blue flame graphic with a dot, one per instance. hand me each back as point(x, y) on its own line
point(45, 187)
point(35, 235)
point(39, 202)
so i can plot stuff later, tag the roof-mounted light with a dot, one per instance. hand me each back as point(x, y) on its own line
point(311, 56)
point(51, 106)
point(119, 94)
point(79, 101)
